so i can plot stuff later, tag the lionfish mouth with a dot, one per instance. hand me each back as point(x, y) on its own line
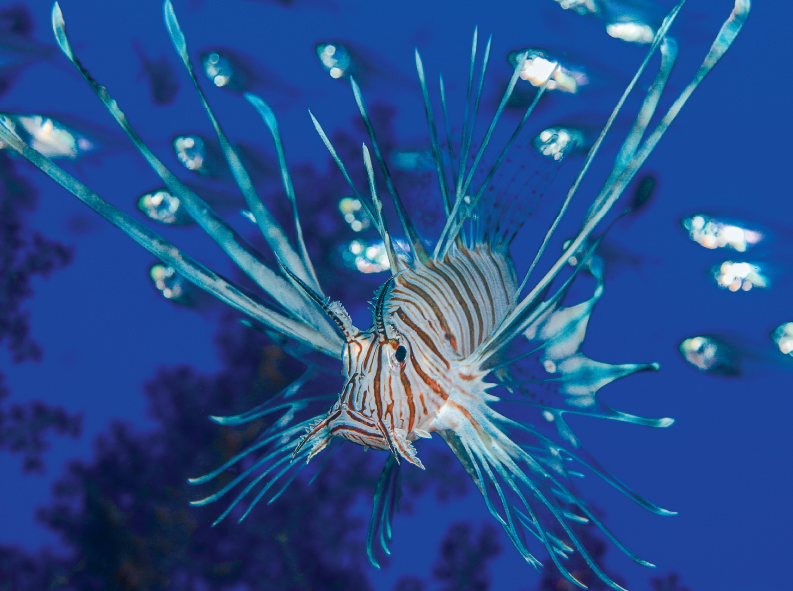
point(356, 427)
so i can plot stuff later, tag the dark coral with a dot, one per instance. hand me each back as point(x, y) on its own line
point(463, 557)
point(24, 255)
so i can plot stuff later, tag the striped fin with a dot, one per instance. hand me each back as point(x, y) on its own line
point(525, 476)
point(511, 326)
point(289, 416)
point(525, 485)
point(448, 137)
point(269, 118)
point(181, 262)
point(469, 132)
point(557, 334)
point(378, 205)
point(449, 309)
point(464, 204)
point(270, 228)
point(407, 224)
point(436, 152)
point(224, 235)
point(364, 202)
point(386, 501)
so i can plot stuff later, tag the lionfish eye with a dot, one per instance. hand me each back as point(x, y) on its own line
point(401, 353)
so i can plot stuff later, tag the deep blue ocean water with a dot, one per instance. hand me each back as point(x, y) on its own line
point(724, 465)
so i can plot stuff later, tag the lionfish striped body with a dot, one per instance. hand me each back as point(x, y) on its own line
point(449, 326)
point(399, 376)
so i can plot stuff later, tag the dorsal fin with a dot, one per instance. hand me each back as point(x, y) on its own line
point(407, 224)
point(378, 207)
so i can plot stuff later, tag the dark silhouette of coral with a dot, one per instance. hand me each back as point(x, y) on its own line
point(23, 428)
point(463, 557)
point(24, 254)
point(18, 48)
point(409, 583)
point(670, 582)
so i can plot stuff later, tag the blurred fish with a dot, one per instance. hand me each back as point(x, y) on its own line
point(366, 257)
point(18, 49)
point(582, 7)
point(201, 155)
point(740, 276)
point(354, 213)
point(163, 207)
point(160, 76)
point(560, 141)
point(230, 69)
point(546, 67)
point(712, 354)
point(734, 355)
point(642, 193)
point(336, 59)
point(204, 156)
point(634, 21)
point(712, 232)
point(50, 136)
point(177, 289)
point(343, 60)
point(782, 337)
point(168, 209)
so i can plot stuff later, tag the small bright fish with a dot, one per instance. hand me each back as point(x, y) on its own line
point(559, 142)
point(221, 67)
point(543, 68)
point(353, 212)
point(197, 155)
point(783, 338)
point(170, 284)
point(712, 354)
point(366, 257)
point(456, 346)
point(237, 72)
point(713, 232)
point(632, 21)
point(343, 60)
point(163, 207)
point(336, 59)
point(740, 276)
point(49, 136)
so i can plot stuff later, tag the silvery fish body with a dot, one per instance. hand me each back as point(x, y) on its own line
point(460, 344)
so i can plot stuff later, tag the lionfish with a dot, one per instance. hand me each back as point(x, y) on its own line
point(445, 324)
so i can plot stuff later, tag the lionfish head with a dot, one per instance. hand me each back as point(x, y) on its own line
point(372, 362)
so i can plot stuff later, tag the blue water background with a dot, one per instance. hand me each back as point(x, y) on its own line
point(725, 463)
